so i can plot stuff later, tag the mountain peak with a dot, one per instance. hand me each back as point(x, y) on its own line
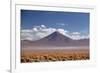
point(57, 39)
point(56, 36)
point(57, 33)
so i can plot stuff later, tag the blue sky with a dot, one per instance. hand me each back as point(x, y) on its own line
point(72, 21)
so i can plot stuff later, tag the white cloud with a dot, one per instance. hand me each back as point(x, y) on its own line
point(43, 26)
point(38, 32)
point(62, 31)
point(78, 35)
point(61, 24)
point(75, 33)
point(35, 29)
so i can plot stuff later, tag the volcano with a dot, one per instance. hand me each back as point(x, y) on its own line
point(56, 39)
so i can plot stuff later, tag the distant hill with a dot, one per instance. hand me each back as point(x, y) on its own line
point(56, 39)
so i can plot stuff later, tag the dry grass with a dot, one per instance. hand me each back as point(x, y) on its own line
point(53, 55)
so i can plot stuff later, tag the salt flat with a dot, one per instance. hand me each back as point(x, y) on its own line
point(56, 48)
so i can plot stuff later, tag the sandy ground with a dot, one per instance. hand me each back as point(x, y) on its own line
point(41, 54)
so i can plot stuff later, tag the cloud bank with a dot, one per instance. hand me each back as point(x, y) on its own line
point(39, 32)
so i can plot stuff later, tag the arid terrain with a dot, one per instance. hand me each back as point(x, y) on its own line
point(29, 56)
point(54, 47)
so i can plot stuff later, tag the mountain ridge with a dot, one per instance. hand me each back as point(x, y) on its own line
point(56, 39)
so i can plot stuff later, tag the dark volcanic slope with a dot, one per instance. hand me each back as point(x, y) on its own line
point(56, 39)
